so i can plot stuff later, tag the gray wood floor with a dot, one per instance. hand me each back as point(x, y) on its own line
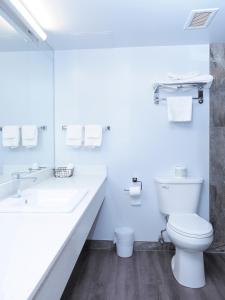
point(101, 275)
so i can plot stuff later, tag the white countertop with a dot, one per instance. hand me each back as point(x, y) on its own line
point(31, 243)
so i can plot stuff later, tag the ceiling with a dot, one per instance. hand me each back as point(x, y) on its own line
point(75, 24)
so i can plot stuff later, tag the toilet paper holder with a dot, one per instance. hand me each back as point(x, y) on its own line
point(134, 180)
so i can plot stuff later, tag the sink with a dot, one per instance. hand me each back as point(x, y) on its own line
point(43, 201)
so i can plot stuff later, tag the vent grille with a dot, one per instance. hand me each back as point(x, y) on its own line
point(200, 18)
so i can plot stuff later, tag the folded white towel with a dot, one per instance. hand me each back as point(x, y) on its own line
point(186, 76)
point(207, 79)
point(179, 109)
point(29, 136)
point(10, 136)
point(93, 136)
point(74, 135)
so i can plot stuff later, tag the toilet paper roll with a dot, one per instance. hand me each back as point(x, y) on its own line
point(35, 166)
point(135, 191)
point(180, 171)
point(70, 166)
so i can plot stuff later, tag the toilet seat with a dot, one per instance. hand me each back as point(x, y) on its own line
point(190, 225)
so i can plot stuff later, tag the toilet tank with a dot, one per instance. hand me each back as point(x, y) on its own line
point(178, 195)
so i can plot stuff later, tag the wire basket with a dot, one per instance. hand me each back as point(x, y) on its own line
point(63, 172)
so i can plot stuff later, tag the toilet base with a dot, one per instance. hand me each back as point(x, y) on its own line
point(188, 268)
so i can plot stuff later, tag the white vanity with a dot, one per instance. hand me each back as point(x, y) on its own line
point(42, 237)
point(44, 221)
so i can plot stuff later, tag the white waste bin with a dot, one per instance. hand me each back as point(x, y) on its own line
point(124, 240)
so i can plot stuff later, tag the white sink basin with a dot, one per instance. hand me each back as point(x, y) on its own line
point(43, 201)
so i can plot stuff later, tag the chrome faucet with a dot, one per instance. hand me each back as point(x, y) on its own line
point(19, 176)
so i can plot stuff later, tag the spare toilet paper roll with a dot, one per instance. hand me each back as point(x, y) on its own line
point(135, 191)
point(70, 166)
point(35, 166)
point(180, 171)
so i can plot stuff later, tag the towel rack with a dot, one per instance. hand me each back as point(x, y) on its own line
point(179, 86)
point(105, 128)
point(43, 127)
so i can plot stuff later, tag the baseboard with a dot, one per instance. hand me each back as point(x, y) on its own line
point(138, 245)
point(99, 245)
point(145, 246)
point(216, 248)
point(153, 246)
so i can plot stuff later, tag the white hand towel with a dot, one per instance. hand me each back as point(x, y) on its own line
point(10, 136)
point(74, 135)
point(93, 136)
point(179, 109)
point(207, 79)
point(29, 136)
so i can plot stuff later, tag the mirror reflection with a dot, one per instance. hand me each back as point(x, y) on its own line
point(26, 98)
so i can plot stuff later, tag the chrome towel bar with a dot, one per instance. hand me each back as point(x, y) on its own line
point(43, 127)
point(105, 128)
point(179, 86)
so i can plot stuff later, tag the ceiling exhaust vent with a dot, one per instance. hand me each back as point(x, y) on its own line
point(200, 18)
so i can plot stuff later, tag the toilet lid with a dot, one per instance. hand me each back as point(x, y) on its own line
point(191, 225)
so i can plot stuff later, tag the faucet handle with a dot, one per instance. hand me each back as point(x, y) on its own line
point(15, 175)
point(19, 193)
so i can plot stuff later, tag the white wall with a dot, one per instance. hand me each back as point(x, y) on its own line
point(114, 87)
point(26, 97)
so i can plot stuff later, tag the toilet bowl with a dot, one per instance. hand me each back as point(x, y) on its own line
point(178, 202)
point(191, 235)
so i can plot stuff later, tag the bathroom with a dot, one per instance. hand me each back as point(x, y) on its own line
point(112, 169)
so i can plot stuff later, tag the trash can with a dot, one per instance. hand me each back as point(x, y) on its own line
point(124, 240)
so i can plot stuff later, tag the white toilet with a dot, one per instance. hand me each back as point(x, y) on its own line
point(191, 234)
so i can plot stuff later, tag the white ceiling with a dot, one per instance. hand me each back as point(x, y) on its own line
point(78, 24)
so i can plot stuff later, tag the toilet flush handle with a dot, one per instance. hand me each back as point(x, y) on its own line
point(166, 187)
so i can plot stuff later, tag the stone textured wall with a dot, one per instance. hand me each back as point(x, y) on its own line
point(217, 143)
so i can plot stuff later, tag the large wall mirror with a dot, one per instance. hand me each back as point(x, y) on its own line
point(26, 102)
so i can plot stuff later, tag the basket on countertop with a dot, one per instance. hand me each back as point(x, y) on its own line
point(63, 172)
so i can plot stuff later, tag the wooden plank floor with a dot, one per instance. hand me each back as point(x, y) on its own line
point(101, 275)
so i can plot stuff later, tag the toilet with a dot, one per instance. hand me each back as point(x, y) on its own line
point(191, 234)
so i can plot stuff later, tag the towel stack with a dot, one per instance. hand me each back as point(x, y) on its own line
point(29, 136)
point(74, 136)
point(93, 136)
point(90, 136)
point(10, 136)
point(179, 109)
